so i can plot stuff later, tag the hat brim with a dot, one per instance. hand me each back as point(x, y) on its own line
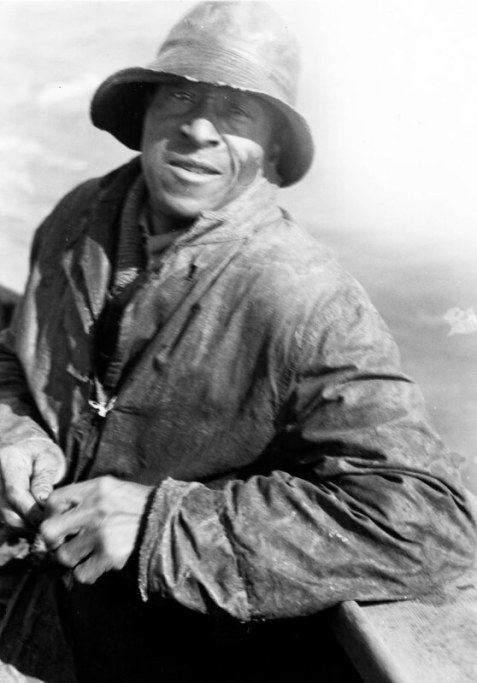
point(119, 106)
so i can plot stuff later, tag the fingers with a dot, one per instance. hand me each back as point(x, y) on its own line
point(75, 550)
point(8, 516)
point(92, 526)
point(67, 497)
point(28, 472)
point(31, 520)
point(87, 559)
point(67, 510)
point(16, 491)
point(12, 520)
point(85, 553)
point(77, 542)
point(91, 569)
point(47, 470)
point(55, 530)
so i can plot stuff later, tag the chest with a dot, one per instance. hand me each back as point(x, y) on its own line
point(200, 389)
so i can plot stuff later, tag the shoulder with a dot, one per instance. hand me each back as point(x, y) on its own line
point(282, 242)
point(303, 290)
point(64, 224)
point(295, 270)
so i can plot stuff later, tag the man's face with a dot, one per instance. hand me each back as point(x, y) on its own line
point(203, 145)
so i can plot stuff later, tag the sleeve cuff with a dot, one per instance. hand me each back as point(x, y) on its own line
point(165, 501)
point(186, 553)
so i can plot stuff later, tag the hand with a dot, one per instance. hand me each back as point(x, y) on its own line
point(28, 473)
point(92, 526)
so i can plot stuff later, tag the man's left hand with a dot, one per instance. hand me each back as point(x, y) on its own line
point(92, 526)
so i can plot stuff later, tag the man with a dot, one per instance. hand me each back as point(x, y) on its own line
point(217, 405)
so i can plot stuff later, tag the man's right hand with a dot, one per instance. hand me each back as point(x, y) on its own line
point(28, 473)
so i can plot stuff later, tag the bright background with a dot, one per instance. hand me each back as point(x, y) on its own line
point(390, 90)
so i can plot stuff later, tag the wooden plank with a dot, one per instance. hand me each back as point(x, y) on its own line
point(360, 639)
point(410, 641)
point(430, 640)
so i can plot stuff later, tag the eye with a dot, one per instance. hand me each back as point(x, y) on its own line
point(182, 95)
point(238, 109)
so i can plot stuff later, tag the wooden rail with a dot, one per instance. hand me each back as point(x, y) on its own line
point(429, 640)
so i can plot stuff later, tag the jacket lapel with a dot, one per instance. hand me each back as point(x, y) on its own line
point(88, 267)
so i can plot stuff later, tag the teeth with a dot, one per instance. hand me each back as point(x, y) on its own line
point(194, 169)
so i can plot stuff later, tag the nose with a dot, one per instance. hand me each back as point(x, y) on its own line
point(201, 131)
point(200, 128)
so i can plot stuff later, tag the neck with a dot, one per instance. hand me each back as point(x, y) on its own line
point(160, 223)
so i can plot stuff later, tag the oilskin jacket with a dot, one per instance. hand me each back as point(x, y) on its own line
point(261, 394)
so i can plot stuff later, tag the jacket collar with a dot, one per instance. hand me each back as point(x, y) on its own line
point(254, 207)
point(89, 268)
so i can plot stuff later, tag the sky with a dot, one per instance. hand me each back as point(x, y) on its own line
point(390, 90)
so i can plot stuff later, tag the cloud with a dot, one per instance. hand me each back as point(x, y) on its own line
point(461, 321)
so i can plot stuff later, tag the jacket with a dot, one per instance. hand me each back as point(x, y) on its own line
point(262, 395)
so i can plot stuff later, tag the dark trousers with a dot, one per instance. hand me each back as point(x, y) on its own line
point(116, 638)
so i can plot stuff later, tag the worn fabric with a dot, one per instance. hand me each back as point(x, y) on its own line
point(130, 256)
point(261, 394)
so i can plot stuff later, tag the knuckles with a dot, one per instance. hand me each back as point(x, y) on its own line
point(48, 532)
point(93, 494)
point(102, 499)
point(105, 486)
point(86, 510)
point(82, 575)
point(90, 571)
point(53, 500)
point(64, 557)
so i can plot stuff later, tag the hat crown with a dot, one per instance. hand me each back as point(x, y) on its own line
point(245, 45)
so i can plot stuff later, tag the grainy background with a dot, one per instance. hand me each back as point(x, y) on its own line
point(390, 90)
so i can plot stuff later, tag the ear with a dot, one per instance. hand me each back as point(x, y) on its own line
point(271, 163)
point(274, 153)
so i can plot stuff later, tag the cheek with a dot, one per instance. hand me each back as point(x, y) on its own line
point(152, 158)
point(248, 159)
point(155, 136)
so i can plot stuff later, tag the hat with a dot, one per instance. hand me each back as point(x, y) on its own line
point(243, 45)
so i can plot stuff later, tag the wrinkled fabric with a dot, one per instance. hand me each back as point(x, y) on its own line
point(262, 394)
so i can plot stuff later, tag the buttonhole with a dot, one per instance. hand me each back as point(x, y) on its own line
point(191, 273)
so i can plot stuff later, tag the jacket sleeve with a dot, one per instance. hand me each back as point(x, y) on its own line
point(357, 498)
point(19, 419)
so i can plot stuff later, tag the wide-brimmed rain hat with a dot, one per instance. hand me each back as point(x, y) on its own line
point(243, 45)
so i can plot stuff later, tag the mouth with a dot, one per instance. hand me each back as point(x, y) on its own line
point(193, 167)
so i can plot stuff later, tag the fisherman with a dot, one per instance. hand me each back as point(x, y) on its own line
point(201, 412)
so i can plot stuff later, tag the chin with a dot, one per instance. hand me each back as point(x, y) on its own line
point(185, 208)
point(184, 211)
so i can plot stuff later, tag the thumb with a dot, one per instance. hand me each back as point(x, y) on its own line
point(45, 474)
point(41, 487)
point(15, 491)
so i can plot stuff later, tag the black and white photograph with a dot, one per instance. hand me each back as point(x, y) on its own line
point(238, 341)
